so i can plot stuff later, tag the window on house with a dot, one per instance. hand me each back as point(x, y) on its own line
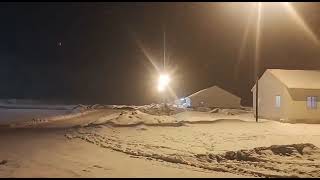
point(278, 101)
point(312, 102)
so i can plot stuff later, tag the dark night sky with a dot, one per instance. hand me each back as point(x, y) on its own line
point(100, 58)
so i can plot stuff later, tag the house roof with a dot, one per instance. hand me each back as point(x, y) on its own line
point(298, 79)
point(212, 88)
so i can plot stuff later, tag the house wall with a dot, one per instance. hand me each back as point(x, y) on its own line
point(301, 94)
point(269, 88)
point(293, 101)
point(299, 112)
point(215, 97)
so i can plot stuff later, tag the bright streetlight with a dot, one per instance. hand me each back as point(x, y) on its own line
point(163, 82)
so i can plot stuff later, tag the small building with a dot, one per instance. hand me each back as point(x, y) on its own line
point(288, 95)
point(214, 97)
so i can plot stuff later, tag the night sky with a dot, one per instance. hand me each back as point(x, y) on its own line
point(92, 52)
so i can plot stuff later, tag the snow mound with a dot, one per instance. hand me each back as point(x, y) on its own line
point(127, 118)
point(79, 108)
point(229, 111)
point(134, 118)
point(160, 109)
point(261, 154)
point(124, 107)
point(152, 109)
point(97, 106)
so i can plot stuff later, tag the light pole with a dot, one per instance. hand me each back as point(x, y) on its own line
point(164, 51)
point(256, 57)
point(164, 66)
point(164, 78)
point(257, 109)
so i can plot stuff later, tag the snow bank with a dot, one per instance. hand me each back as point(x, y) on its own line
point(153, 109)
point(134, 118)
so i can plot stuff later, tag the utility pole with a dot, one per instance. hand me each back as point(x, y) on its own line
point(257, 58)
point(164, 65)
point(257, 98)
point(164, 50)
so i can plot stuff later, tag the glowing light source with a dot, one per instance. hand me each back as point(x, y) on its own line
point(164, 81)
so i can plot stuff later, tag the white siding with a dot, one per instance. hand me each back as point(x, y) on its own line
point(296, 105)
point(269, 88)
point(215, 97)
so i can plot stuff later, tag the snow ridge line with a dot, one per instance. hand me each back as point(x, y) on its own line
point(165, 124)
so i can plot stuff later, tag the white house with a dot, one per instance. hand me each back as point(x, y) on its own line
point(289, 95)
point(214, 97)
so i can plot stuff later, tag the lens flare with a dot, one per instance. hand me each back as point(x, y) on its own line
point(294, 14)
point(147, 55)
point(243, 42)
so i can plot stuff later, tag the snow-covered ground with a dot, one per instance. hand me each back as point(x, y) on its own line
point(17, 113)
point(221, 141)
